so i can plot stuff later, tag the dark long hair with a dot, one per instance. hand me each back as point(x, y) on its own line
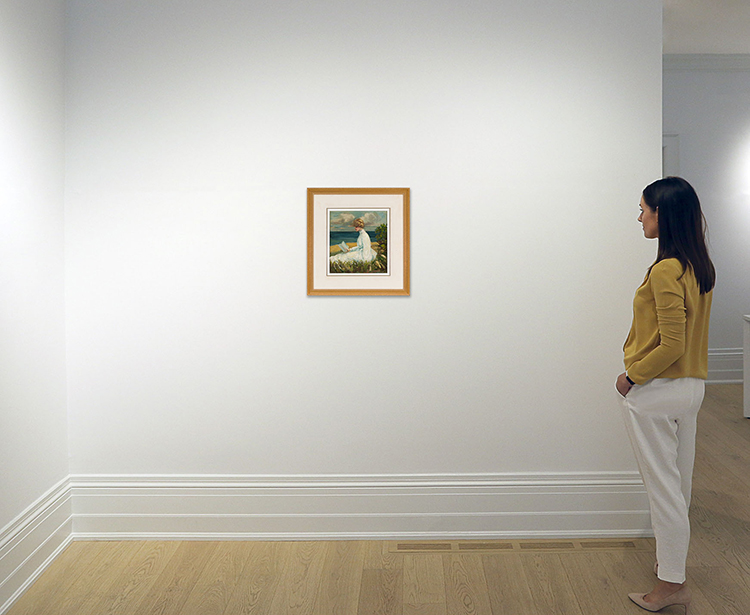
point(682, 228)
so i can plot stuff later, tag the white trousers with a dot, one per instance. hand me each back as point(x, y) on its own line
point(660, 417)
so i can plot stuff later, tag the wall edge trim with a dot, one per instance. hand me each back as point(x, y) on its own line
point(725, 366)
point(706, 61)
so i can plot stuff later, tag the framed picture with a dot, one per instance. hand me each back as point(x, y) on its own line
point(358, 241)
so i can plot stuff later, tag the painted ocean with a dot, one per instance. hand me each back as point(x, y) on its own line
point(336, 237)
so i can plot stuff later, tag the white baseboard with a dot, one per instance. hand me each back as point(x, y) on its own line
point(707, 61)
point(359, 507)
point(725, 366)
point(32, 541)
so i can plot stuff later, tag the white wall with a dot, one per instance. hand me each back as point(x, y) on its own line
point(526, 133)
point(707, 104)
point(35, 512)
point(33, 424)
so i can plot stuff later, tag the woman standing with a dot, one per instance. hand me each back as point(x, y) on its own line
point(666, 362)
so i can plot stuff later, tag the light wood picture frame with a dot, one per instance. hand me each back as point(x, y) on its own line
point(358, 241)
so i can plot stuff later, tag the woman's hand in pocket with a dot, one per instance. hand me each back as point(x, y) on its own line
point(622, 385)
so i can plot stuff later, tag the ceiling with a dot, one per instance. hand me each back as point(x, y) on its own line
point(707, 26)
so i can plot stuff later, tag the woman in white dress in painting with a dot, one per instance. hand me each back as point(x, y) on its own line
point(362, 251)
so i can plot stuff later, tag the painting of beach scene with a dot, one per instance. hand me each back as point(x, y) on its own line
point(358, 241)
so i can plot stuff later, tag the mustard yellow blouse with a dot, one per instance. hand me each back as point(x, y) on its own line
point(669, 334)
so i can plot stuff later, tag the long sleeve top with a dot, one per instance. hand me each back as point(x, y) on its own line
point(669, 334)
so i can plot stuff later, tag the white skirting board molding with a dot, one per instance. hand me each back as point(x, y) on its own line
point(33, 540)
point(359, 507)
point(725, 366)
point(707, 61)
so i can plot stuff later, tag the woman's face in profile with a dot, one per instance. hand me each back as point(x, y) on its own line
point(649, 218)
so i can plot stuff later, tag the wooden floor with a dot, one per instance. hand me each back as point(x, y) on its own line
point(557, 577)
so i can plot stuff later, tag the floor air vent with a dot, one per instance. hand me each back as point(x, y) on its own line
point(523, 546)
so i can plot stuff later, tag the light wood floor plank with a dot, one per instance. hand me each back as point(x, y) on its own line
point(626, 572)
point(700, 603)
point(508, 587)
point(301, 579)
point(219, 579)
point(172, 589)
point(128, 588)
point(424, 583)
point(425, 609)
point(381, 592)
point(726, 444)
point(592, 585)
point(379, 557)
point(723, 534)
point(722, 590)
point(715, 475)
point(260, 580)
point(465, 585)
point(110, 557)
point(341, 580)
point(549, 585)
point(703, 551)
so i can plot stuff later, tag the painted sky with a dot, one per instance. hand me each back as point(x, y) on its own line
point(341, 219)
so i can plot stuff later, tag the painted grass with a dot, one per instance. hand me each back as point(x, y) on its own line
point(379, 265)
